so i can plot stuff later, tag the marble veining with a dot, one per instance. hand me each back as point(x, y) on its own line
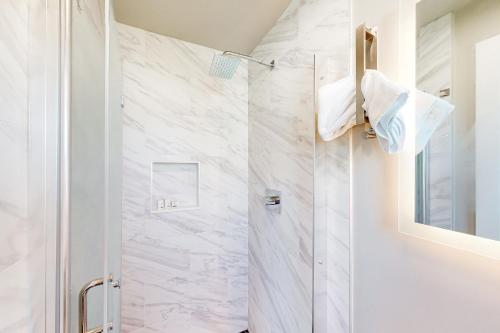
point(434, 72)
point(183, 271)
point(21, 250)
point(281, 156)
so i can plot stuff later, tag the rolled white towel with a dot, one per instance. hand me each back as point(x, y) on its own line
point(383, 103)
point(336, 108)
point(430, 113)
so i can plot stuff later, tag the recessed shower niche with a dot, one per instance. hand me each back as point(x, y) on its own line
point(175, 186)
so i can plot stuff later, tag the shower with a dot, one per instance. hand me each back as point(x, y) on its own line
point(225, 65)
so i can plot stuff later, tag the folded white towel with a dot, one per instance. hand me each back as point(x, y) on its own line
point(383, 103)
point(430, 113)
point(336, 108)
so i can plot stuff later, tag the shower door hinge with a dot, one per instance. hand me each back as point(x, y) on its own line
point(115, 284)
point(122, 101)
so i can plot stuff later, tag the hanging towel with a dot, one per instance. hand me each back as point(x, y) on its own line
point(336, 108)
point(383, 103)
point(430, 113)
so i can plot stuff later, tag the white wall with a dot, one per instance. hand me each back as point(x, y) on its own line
point(405, 284)
point(401, 283)
point(183, 271)
point(281, 156)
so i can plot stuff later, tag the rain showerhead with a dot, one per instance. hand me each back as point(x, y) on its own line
point(225, 65)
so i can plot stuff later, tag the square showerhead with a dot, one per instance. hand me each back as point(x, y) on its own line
point(224, 66)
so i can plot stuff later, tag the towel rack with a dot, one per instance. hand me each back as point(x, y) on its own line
point(366, 58)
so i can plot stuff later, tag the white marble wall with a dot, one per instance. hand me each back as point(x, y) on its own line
point(281, 157)
point(183, 271)
point(434, 73)
point(14, 234)
point(22, 267)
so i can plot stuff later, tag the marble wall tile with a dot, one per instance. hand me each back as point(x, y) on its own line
point(21, 232)
point(434, 73)
point(183, 271)
point(281, 157)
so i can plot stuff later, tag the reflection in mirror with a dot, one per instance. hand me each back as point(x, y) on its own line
point(457, 158)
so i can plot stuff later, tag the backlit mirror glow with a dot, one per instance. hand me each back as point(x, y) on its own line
point(457, 160)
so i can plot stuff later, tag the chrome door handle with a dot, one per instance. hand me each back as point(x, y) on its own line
point(82, 307)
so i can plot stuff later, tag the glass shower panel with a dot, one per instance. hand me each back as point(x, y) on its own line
point(114, 168)
point(331, 220)
point(87, 163)
point(95, 168)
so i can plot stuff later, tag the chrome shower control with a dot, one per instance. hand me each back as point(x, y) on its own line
point(272, 200)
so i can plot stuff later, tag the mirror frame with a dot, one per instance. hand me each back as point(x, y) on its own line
point(406, 177)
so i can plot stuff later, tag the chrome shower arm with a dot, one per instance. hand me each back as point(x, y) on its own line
point(244, 56)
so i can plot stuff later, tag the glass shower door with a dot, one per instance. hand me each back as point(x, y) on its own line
point(87, 192)
point(93, 164)
point(113, 83)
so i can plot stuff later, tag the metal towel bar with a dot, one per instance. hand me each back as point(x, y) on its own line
point(366, 58)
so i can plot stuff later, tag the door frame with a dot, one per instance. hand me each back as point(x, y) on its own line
point(64, 307)
point(48, 83)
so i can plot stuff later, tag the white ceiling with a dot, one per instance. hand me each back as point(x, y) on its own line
point(235, 25)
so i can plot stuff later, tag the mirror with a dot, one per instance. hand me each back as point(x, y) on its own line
point(457, 170)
